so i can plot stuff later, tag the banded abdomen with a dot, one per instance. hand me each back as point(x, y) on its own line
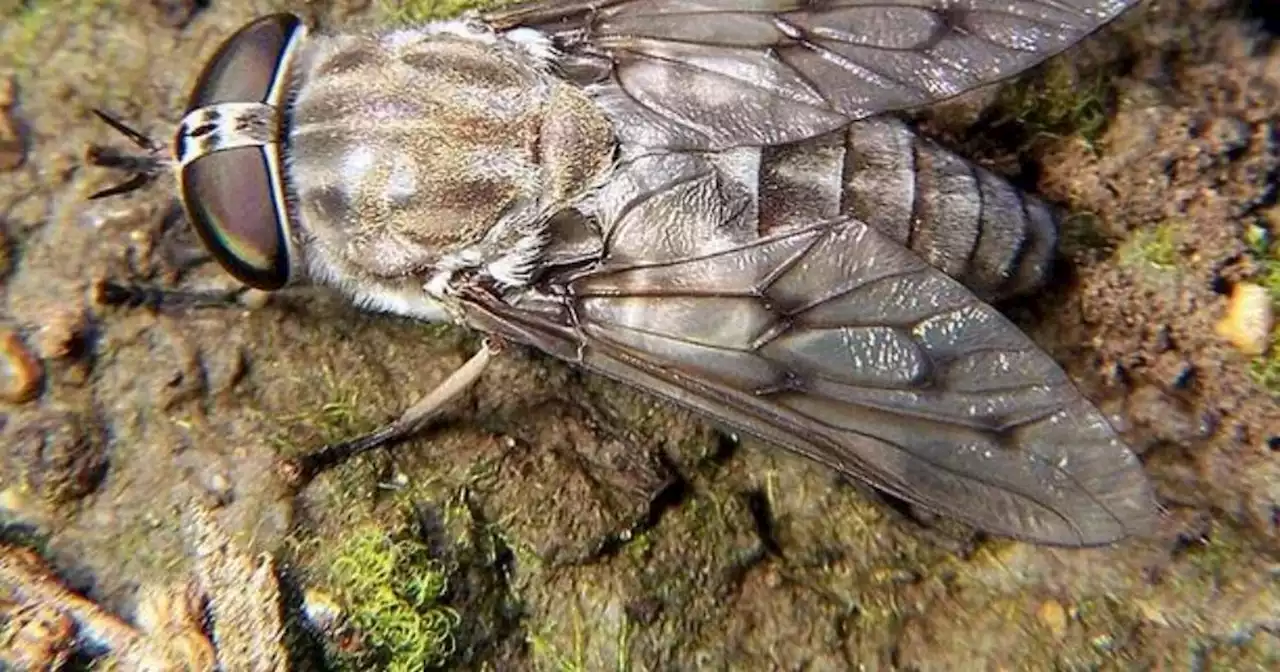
point(964, 220)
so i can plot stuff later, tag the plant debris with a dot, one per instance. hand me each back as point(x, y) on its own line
point(240, 594)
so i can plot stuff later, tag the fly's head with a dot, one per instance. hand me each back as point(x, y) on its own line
point(381, 163)
point(228, 153)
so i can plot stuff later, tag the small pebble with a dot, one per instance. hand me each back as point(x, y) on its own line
point(1053, 616)
point(12, 500)
point(20, 372)
point(322, 611)
point(254, 299)
point(217, 485)
point(1249, 319)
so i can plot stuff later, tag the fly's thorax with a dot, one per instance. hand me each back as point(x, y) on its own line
point(415, 151)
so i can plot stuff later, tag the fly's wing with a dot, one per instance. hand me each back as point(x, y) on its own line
point(711, 74)
point(838, 343)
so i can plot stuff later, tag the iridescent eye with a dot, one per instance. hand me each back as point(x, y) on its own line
point(231, 178)
point(231, 202)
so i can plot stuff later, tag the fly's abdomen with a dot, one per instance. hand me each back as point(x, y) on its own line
point(963, 219)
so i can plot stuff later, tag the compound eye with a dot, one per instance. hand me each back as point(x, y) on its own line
point(231, 200)
point(246, 66)
point(228, 147)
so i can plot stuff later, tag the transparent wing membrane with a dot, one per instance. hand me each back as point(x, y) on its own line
point(711, 74)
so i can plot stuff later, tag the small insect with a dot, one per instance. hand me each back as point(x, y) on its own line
point(702, 198)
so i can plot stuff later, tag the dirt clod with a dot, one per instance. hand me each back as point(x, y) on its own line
point(62, 332)
point(63, 454)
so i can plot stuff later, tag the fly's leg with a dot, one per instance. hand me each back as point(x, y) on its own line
point(298, 471)
point(111, 293)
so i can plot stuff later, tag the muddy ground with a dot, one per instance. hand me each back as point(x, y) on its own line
point(537, 499)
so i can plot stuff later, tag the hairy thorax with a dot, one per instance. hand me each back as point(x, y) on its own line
point(412, 153)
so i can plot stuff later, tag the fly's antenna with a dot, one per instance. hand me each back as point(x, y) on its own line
point(145, 168)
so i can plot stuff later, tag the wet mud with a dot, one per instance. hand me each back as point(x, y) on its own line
point(577, 524)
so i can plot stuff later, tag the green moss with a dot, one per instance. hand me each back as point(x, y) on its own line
point(547, 656)
point(25, 26)
point(1266, 254)
point(392, 590)
point(416, 11)
point(624, 645)
point(640, 547)
point(1155, 248)
point(1058, 100)
point(343, 417)
point(1215, 554)
point(1265, 368)
point(577, 655)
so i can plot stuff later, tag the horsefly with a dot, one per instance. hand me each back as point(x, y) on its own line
point(707, 199)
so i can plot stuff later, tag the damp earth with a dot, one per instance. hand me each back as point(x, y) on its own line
point(559, 521)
